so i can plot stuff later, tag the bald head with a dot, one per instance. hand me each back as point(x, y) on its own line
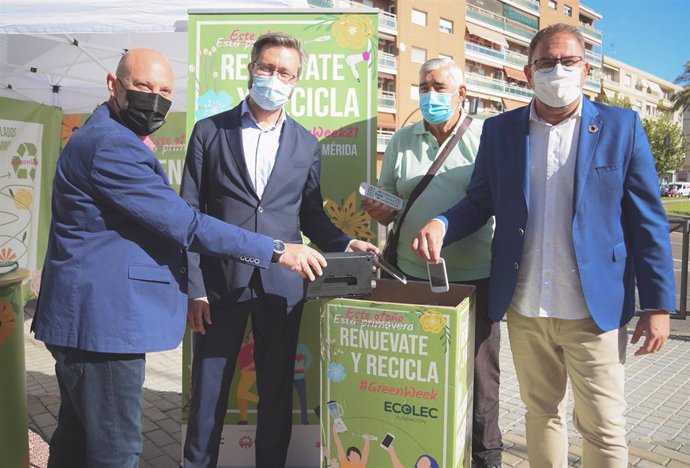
point(144, 70)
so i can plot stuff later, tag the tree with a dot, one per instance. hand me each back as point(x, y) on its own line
point(681, 100)
point(616, 100)
point(667, 142)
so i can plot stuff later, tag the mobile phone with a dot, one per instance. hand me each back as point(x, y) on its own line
point(438, 278)
point(390, 269)
point(387, 441)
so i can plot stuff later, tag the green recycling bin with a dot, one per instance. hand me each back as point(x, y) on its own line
point(14, 441)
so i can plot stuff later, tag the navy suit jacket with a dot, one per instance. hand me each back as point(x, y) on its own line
point(216, 181)
point(620, 230)
point(115, 275)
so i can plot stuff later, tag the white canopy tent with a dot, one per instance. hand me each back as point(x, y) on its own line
point(58, 53)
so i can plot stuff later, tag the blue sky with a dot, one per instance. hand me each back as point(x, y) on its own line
point(653, 35)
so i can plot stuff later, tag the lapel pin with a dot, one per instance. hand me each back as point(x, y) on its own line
point(593, 129)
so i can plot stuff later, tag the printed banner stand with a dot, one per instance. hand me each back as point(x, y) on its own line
point(397, 375)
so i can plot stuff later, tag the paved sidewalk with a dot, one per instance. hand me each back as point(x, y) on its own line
point(657, 391)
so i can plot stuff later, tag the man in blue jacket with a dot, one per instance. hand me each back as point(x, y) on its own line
point(573, 187)
point(115, 276)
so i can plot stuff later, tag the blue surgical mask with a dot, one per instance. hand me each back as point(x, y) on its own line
point(269, 92)
point(436, 107)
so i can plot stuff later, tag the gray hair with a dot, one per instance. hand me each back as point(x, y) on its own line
point(442, 62)
point(279, 39)
point(552, 30)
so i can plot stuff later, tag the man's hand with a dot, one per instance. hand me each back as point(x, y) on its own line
point(304, 260)
point(428, 242)
point(656, 326)
point(384, 214)
point(362, 246)
point(198, 313)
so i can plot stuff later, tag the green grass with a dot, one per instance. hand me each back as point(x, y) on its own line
point(675, 206)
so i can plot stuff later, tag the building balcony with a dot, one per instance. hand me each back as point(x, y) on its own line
point(530, 4)
point(497, 87)
point(388, 63)
point(593, 58)
point(591, 32)
point(388, 23)
point(665, 103)
point(386, 101)
point(383, 137)
point(500, 22)
point(494, 55)
point(593, 85)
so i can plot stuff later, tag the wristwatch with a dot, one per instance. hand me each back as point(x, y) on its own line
point(278, 250)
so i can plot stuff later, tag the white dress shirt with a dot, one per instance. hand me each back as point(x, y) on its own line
point(260, 147)
point(548, 283)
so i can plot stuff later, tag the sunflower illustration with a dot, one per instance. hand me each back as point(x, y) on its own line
point(7, 322)
point(353, 31)
point(353, 222)
point(23, 199)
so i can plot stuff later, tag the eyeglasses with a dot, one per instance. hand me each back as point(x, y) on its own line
point(266, 70)
point(548, 64)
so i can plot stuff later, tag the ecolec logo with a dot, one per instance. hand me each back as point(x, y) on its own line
point(246, 442)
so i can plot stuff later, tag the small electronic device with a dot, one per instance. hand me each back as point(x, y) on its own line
point(390, 269)
point(438, 278)
point(387, 441)
point(337, 414)
point(347, 274)
point(381, 196)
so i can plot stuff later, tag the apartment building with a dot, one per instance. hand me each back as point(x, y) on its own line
point(649, 95)
point(487, 38)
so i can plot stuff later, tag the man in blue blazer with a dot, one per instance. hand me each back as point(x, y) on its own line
point(255, 167)
point(115, 275)
point(573, 187)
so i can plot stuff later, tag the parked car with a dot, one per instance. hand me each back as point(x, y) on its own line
point(679, 189)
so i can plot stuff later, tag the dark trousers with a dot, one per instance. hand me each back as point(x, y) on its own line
point(215, 355)
point(99, 423)
point(487, 442)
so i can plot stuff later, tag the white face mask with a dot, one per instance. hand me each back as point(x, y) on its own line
point(558, 87)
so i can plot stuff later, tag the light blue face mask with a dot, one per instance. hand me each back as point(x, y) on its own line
point(436, 107)
point(269, 92)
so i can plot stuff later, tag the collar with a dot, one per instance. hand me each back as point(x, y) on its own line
point(246, 113)
point(534, 117)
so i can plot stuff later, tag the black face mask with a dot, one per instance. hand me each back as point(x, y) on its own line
point(145, 112)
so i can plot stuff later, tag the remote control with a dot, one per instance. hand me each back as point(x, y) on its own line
point(381, 196)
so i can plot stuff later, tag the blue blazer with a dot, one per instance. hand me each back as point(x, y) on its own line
point(620, 230)
point(216, 181)
point(115, 275)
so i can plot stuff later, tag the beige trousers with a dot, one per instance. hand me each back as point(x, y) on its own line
point(546, 353)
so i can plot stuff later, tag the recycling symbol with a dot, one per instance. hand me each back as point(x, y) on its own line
point(25, 161)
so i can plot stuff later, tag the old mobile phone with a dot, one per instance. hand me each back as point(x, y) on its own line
point(390, 269)
point(438, 278)
point(387, 441)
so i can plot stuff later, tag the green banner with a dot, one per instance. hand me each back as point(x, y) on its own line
point(396, 382)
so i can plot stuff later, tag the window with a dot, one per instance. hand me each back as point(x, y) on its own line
point(418, 55)
point(567, 10)
point(445, 26)
point(553, 5)
point(414, 92)
point(627, 80)
point(638, 106)
point(418, 17)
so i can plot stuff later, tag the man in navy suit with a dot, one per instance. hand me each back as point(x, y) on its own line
point(573, 187)
point(115, 276)
point(255, 167)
